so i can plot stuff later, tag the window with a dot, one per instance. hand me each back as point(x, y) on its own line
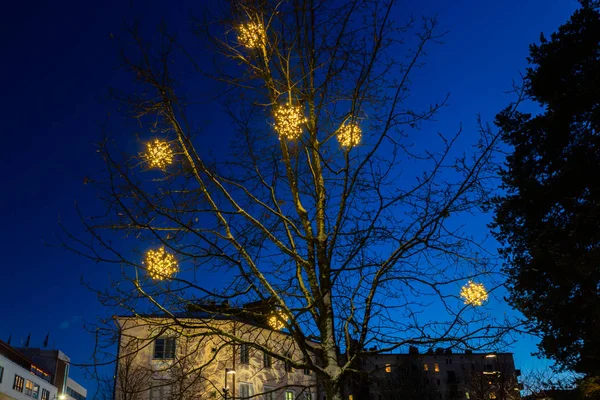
point(74, 394)
point(350, 397)
point(288, 368)
point(438, 382)
point(388, 368)
point(467, 395)
point(159, 391)
point(306, 369)
point(308, 395)
point(244, 354)
point(1, 372)
point(45, 394)
point(289, 395)
point(164, 348)
point(246, 390)
point(425, 367)
point(36, 391)
point(18, 384)
point(269, 393)
point(436, 367)
point(28, 388)
point(267, 361)
point(492, 395)
point(448, 361)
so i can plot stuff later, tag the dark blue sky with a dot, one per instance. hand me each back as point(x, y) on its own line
point(58, 61)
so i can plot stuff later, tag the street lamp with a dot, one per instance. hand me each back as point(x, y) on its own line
point(228, 371)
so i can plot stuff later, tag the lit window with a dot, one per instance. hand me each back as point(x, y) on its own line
point(28, 388)
point(436, 367)
point(492, 395)
point(289, 395)
point(36, 391)
point(350, 397)
point(45, 394)
point(246, 391)
point(164, 348)
point(388, 368)
point(425, 367)
point(244, 353)
point(18, 384)
point(467, 395)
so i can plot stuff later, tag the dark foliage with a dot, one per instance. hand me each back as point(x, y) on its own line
point(548, 221)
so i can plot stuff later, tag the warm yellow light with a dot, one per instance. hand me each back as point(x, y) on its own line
point(388, 368)
point(289, 120)
point(160, 264)
point(425, 367)
point(159, 154)
point(276, 320)
point(349, 135)
point(436, 367)
point(474, 293)
point(252, 35)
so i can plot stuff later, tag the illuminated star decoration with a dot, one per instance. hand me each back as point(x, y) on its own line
point(252, 34)
point(349, 135)
point(288, 121)
point(276, 320)
point(159, 154)
point(160, 264)
point(474, 294)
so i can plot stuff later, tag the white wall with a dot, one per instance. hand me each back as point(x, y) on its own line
point(8, 378)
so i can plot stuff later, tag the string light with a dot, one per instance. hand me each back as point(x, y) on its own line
point(160, 264)
point(252, 34)
point(276, 320)
point(288, 121)
point(159, 154)
point(474, 294)
point(349, 135)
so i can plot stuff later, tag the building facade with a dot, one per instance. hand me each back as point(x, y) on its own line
point(195, 358)
point(22, 379)
point(440, 374)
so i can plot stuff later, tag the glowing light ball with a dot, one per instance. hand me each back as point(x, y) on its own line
point(159, 154)
point(252, 35)
point(276, 320)
point(349, 135)
point(160, 264)
point(288, 121)
point(474, 294)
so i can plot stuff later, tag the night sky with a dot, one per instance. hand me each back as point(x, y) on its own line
point(58, 61)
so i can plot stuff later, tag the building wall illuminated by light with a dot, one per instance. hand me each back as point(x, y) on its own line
point(163, 354)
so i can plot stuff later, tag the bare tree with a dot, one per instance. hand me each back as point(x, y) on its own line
point(334, 205)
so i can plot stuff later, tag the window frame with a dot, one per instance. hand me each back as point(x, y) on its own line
point(1, 373)
point(250, 388)
point(290, 392)
point(271, 393)
point(169, 348)
point(163, 390)
point(45, 394)
point(36, 391)
point(16, 386)
point(267, 360)
point(244, 354)
point(29, 390)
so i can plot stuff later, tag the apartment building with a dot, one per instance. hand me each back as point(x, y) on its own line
point(440, 374)
point(22, 379)
point(193, 356)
